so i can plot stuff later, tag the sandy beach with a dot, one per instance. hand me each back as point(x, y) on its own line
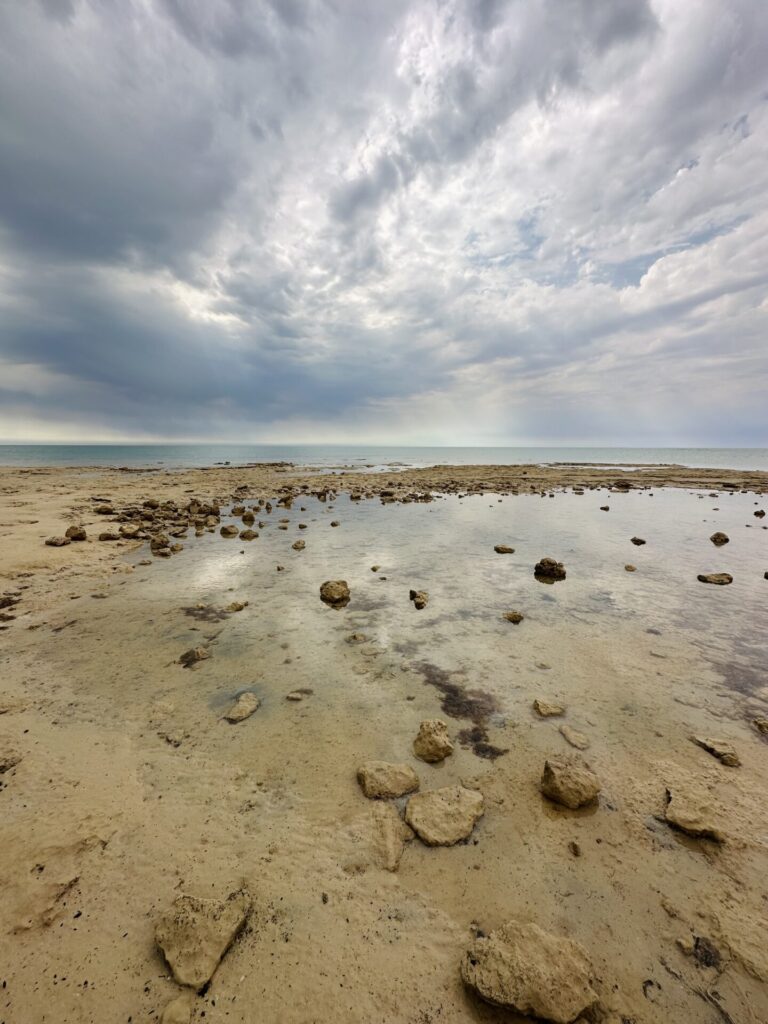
point(135, 779)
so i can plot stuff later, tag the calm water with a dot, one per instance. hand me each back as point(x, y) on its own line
point(365, 456)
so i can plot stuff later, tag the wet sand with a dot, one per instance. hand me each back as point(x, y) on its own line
point(132, 789)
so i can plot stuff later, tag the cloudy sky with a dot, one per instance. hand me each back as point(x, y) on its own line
point(425, 221)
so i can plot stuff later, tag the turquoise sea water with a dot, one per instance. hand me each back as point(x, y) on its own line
point(361, 456)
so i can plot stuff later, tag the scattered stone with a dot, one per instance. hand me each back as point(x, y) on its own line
point(356, 638)
point(547, 710)
point(630, 568)
point(104, 510)
point(723, 751)
point(761, 724)
point(162, 552)
point(569, 782)
point(236, 606)
point(503, 549)
point(638, 541)
point(419, 598)
point(574, 848)
point(390, 834)
point(760, 513)
point(690, 813)
point(549, 569)
point(109, 535)
point(243, 708)
point(719, 579)
point(718, 539)
point(442, 817)
point(380, 780)
point(230, 530)
point(605, 508)
point(300, 694)
point(576, 739)
point(9, 760)
point(335, 593)
point(432, 743)
point(335, 522)
point(375, 568)
point(76, 533)
point(195, 934)
point(248, 534)
point(193, 655)
point(298, 545)
point(58, 542)
point(528, 970)
point(514, 617)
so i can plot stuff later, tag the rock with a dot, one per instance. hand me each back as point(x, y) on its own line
point(444, 816)
point(104, 510)
point(236, 606)
point(630, 568)
point(549, 569)
point(576, 739)
point(718, 539)
point(638, 541)
point(9, 760)
point(76, 533)
point(178, 1011)
point(720, 749)
point(432, 743)
point(690, 812)
point(605, 508)
point(514, 616)
point(160, 540)
point(335, 522)
point(569, 782)
point(760, 513)
point(380, 780)
point(243, 708)
point(300, 694)
point(196, 933)
point(375, 568)
point(162, 552)
point(528, 970)
point(761, 724)
point(547, 710)
point(503, 549)
point(230, 530)
point(58, 542)
point(298, 545)
point(419, 598)
point(109, 535)
point(390, 834)
point(720, 579)
point(193, 655)
point(248, 518)
point(130, 531)
point(248, 534)
point(335, 593)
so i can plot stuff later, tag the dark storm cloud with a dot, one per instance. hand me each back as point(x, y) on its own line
point(459, 220)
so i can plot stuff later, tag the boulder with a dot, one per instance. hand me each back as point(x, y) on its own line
point(76, 533)
point(419, 598)
point(630, 568)
point(718, 539)
point(104, 510)
point(605, 508)
point(432, 743)
point(109, 535)
point(335, 593)
point(58, 542)
point(298, 545)
point(381, 780)
point(549, 569)
point(720, 749)
point(503, 549)
point(719, 579)
point(514, 617)
point(690, 812)
point(230, 530)
point(195, 934)
point(546, 709)
point(236, 606)
point(638, 541)
point(442, 817)
point(243, 708)
point(576, 739)
point(760, 513)
point(569, 782)
point(335, 522)
point(523, 968)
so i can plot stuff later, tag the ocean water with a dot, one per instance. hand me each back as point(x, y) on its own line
point(378, 457)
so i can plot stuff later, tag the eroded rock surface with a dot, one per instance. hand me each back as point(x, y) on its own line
point(547, 709)
point(719, 579)
point(432, 743)
point(335, 593)
point(442, 817)
point(575, 738)
point(549, 569)
point(720, 749)
point(690, 812)
point(569, 782)
point(381, 780)
point(523, 968)
point(243, 708)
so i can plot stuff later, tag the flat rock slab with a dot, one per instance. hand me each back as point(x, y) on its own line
point(381, 780)
point(243, 708)
point(569, 782)
point(719, 579)
point(390, 834)
point(432, 743)
point(691, 812)
point(546, 709)
point(444, 816)
point(720, 749)
point(195, 934)
point(576, 739)
point(523, 968)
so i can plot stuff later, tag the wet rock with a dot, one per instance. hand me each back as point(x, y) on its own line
point(162, 552)
point(523, 968)
point(514, 617)
point(549, 569)
point(718, 539)
point(300, 694)
point(178, 1011)
point(230, 530)
point(195, 934)
point(690, 812)
point(248, 518)
point(58, 542)
point(104, 510)
point(335, 593)
point(390, 834)
point(443, 817)
point(720, 749)
point(248, 534)
point(243, 708)
point(419, 598)
point(298, 545)
point(76, 533)
point(503, 549)
point(576, 739)
point(176, 548)
point(109, 535)
point(193, 655)
point(638, 541)
point(546, 709)
point(569, 782)
point(719, 579)
point(159, 540)
point(630, 568)
point(381, 780)
point(432, 743)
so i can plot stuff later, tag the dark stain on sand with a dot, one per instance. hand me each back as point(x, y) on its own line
point(459, 702)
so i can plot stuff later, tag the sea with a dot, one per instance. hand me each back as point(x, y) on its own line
point(368, 457)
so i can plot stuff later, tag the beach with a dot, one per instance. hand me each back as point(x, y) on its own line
point(184, 717)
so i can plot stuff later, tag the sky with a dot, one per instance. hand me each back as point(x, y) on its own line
point(411, 221)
